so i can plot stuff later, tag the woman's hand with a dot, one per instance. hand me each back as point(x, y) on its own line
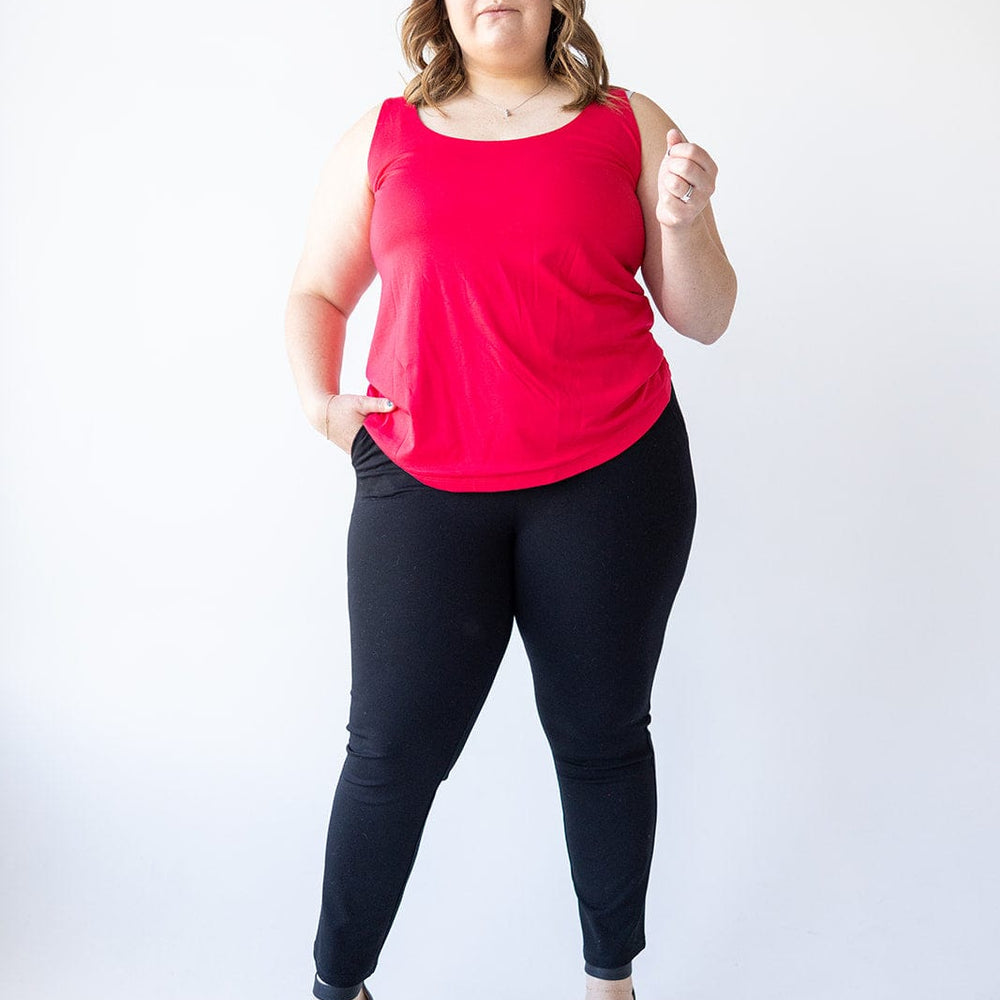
point(684, 164)
point(345, 413)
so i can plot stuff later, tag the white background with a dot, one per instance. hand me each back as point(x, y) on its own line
point(175, 686)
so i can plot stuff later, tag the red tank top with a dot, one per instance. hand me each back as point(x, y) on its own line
point(511, 334)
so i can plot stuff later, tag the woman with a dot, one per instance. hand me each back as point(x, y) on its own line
point(520, 453)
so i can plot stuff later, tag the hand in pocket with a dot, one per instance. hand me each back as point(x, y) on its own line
point(345, 413)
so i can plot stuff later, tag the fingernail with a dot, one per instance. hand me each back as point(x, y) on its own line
point(389, 404)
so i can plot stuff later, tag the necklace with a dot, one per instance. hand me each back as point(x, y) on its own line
point(507, 112)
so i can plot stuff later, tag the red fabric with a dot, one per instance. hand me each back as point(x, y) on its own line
point(512, 334)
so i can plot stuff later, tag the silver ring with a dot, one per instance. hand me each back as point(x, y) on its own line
point(686, 197)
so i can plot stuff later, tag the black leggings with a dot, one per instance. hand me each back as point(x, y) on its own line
point(588, 567)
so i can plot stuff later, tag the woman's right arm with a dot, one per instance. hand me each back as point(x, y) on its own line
point(332, 274)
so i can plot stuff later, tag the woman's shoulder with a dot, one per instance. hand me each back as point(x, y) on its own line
point(367, 122)
point(359, 133)
point(650, 116)
point(359, 136)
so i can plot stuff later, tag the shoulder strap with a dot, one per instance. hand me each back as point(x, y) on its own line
point(388, 138)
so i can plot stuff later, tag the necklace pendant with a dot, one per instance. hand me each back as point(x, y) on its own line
point(506, 112)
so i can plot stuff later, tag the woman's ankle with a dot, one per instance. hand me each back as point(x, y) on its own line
point(610, 988)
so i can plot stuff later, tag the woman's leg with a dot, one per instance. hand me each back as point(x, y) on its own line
point(598, 561)
point(431, 610)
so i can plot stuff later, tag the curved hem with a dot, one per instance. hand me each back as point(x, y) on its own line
point(496, 483)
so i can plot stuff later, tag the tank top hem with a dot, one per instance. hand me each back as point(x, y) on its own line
point(526, 478)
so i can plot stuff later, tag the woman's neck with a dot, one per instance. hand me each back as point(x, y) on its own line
point(506, 84)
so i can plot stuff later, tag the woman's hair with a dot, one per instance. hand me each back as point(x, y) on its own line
point(573, 54)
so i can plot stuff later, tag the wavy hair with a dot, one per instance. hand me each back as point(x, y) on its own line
point(573, 54)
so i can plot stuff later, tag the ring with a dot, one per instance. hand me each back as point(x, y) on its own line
point(686, 197)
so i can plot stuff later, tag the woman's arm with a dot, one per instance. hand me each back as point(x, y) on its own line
point(685, 266)
point(332, 274)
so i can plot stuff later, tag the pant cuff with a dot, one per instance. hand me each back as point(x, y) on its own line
point(622, 972)
point(324, 991)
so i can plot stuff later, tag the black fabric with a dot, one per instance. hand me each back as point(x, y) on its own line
point(323, 991)
point(588, 567)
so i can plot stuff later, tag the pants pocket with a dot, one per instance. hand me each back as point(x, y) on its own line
point(362, 432)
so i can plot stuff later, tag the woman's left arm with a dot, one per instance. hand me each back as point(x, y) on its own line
point(685, 267)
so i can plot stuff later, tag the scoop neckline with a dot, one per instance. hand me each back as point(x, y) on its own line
point(497, 142)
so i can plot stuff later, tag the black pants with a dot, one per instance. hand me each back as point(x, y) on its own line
point(588, 567)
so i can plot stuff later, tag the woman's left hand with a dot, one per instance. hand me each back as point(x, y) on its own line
point(685, 164)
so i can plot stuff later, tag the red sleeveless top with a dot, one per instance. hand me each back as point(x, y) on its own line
point(512, 334)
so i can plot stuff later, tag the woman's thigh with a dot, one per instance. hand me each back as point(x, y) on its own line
point(431, 609)
point(598, 562)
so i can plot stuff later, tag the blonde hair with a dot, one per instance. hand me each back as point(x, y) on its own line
point(573, 54)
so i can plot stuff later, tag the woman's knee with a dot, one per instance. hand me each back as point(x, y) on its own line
point(593, 747)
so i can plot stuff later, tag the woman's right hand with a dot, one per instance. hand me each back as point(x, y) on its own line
point(345, 413)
